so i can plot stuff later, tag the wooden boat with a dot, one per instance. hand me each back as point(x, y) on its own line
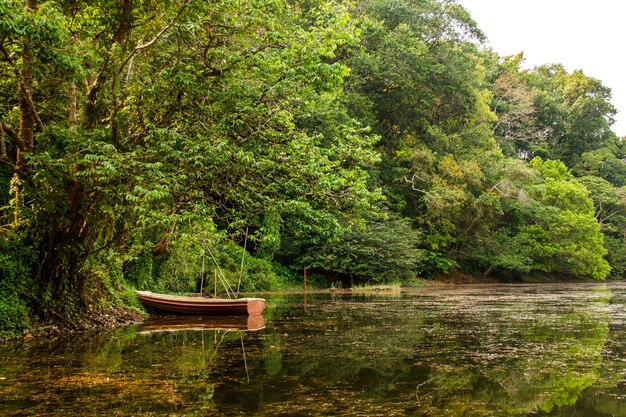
point(193, 323)
point(179, 304)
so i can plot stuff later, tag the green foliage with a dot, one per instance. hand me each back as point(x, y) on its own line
point(139, 271)
point(605, 163)
point(432, 262)
point(188, 110)
point(549, 112)
point(574, 110)
point(163, 130)
point(616, 255)
point(417, 75)
point(196, 249)
point(381, 252)
point(181, 270)
point(556, 230)
point(14, 285)
point(610, 212)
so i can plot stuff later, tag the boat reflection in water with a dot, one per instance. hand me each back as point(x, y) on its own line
point(186, 323)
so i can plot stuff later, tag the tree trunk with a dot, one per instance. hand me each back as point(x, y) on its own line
point(91, 112)
point(488, 272)
point(125, 22)
point(72, 116)
point(26, 132)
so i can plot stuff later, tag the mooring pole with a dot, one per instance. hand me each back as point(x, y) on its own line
point(305, 288)
point(202, 275)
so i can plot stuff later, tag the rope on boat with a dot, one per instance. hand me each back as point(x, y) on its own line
point(229, 291)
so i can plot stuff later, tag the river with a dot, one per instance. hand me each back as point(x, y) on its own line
point(480, 350)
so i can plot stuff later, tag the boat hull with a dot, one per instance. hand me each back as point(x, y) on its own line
point(200, 305)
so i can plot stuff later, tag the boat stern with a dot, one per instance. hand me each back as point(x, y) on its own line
point(255, 306)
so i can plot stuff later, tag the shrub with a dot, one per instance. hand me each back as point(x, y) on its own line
point(15, 279)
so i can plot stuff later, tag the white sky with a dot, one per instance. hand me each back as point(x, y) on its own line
point(580, 34)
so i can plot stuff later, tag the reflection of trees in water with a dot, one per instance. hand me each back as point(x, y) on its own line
point(467, 355)
point(607, 396)
point(532, 358)
point(470, 353)
point(121, 371)
point(543, 368)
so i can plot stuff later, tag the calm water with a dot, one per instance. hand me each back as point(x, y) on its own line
point(528, 350)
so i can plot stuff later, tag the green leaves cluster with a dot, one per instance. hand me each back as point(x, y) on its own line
point(554, 228)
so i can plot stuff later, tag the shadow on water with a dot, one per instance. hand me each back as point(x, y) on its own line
point(515, 350)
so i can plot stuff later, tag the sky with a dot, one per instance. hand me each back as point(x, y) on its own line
point(580, 34)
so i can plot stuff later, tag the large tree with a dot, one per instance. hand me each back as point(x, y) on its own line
point(124, 122)
point(573, 109)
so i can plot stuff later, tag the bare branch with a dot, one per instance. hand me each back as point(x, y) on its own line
point(12, 135)
point(412, 182)
point(72, 113)
point(496, 187)
point(141, 45)
point(609, 215)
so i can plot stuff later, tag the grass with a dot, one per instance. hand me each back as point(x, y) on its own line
point(386, 288)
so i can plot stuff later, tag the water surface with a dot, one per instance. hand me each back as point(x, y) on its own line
point(494, 350)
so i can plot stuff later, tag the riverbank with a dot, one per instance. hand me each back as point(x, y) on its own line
point(97, 319)
point(113, 316)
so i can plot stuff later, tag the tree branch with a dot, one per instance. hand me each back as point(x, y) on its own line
point(141, 45)
point(8, 162)
point(3, 145)
point(496, 188)
point(11, 134)
point(412, 182)
point(609, 215)
point(4, 158)
point(27, 96)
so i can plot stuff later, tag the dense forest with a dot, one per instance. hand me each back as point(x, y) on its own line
point(155, 145)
